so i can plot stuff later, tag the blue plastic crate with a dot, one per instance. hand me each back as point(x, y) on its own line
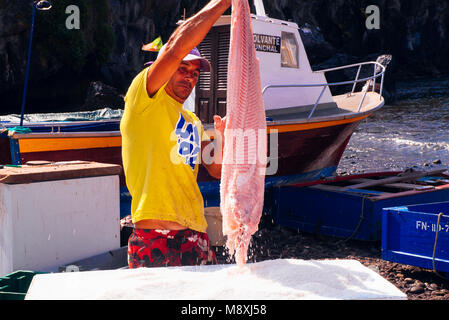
point(409, 235)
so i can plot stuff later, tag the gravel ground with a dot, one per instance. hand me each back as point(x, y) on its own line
point(276, 242)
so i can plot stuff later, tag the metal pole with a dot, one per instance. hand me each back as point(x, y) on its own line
point(356, 78)
point(381, 86)
point(28, 65)
point(363, 99)
point(316, 103)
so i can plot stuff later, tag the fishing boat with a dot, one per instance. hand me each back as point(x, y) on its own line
point(308, 128)
point(354, 203)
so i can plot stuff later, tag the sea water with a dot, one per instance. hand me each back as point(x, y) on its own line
point(412, 132)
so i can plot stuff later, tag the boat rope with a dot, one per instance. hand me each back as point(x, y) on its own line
point(435, 246)
point(362, 217)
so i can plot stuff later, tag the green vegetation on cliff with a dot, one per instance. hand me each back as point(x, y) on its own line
point(73, 47)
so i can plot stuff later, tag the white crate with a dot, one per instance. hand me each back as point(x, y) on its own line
point(44, 225)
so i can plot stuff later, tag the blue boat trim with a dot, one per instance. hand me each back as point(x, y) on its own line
point(15, 152)
point(87, 127)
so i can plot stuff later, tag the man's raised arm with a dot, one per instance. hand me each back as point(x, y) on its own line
point(182, 41)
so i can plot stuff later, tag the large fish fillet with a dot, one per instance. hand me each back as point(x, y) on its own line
point(245, 139)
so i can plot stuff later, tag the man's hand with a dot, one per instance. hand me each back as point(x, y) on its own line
point(214, 168)
point(220, 124)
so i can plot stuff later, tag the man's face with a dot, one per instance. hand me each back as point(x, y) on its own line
point(183, 80)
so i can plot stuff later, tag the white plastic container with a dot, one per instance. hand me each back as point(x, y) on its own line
point(46, 224)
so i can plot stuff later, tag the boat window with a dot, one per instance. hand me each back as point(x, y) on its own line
point(289, 51)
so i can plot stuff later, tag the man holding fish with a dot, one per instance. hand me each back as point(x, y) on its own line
point(161, 150)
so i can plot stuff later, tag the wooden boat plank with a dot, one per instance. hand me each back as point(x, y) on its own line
point(408, 186)
point(326, 187)
point(409, 193)
point(331, 188)
point(402, 177)
point(57, 171)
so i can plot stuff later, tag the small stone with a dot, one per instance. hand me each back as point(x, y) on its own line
point(433, 286)
point(400, 275)
point(417, 289)
point(409, 280)
point(374, 268)
point(437, 161)
point(419, 284)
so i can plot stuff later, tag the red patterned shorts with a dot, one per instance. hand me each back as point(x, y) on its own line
point(163, 248)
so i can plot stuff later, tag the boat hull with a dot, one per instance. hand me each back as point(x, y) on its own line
point(296, 151)
point(303, 153)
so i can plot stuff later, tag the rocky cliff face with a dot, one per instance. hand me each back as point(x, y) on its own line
point(107, 46)
point(415, 32)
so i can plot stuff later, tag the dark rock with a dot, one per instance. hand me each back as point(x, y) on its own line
point(317, 48)
point(433, 286)
point(334, 34)
point(100, 95)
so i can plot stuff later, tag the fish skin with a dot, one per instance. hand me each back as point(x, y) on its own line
point(243, 169)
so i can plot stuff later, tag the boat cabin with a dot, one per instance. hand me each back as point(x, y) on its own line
point(283, 60)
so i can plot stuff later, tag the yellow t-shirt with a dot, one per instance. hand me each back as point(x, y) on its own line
point(161, 146)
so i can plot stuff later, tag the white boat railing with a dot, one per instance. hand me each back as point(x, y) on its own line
point(379, 71)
